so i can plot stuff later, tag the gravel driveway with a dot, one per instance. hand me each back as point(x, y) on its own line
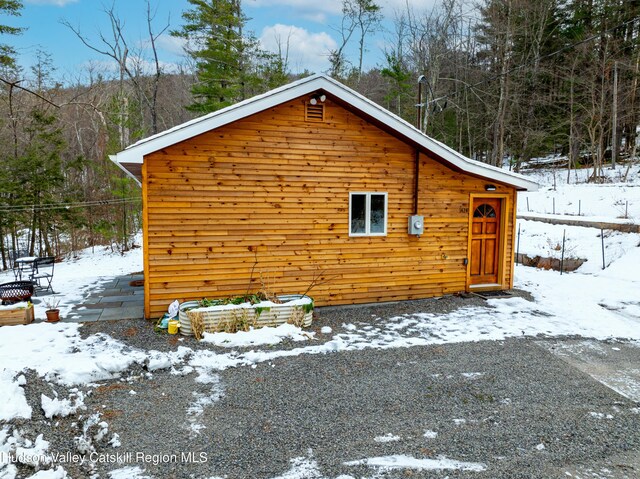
point(488, 409)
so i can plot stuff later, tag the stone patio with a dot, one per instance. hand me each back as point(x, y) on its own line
point(115, 299)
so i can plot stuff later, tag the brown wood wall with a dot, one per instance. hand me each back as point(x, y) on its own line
point(270, 193)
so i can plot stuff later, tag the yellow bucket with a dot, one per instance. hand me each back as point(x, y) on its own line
point(174, 324)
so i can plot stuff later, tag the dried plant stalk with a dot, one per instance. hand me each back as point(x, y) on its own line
point(237, 320)
point(266, 288)
point(297, 317)
point(197, 323)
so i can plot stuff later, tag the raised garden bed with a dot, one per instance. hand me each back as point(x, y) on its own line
point(195, 319)
point(20, 313)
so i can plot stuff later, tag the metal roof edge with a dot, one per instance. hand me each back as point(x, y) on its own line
point(449, 154)
point(136, 152)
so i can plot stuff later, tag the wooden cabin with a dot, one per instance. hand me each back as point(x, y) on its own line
point(313, 187)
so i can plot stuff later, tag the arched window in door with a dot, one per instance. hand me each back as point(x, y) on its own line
point(484, 211)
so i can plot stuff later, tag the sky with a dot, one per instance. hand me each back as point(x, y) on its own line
point(309, 25)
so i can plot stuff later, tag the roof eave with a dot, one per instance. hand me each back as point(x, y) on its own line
point(136, 153)
point(123, 168)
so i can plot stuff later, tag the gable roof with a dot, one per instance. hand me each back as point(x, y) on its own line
point(131, 158)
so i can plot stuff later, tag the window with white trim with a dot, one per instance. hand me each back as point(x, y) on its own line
point(367, 214)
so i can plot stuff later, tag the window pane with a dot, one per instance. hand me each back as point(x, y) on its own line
point(358, 204)
point(484, 211)
point(377, 214)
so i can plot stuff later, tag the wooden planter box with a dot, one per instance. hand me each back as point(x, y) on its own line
point(297, 309)
point(18, 315)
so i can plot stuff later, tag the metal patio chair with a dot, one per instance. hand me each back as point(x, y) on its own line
point(43, 273)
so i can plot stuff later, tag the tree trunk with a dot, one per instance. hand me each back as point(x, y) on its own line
point(574, 141)
point(32, 236)
point(499, 125)
point(3, 252)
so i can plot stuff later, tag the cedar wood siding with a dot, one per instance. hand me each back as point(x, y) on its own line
point(266, 198)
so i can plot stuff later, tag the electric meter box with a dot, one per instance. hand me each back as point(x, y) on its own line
point(416, 225)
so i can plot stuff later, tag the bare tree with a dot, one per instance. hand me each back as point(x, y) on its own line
point(366, 15)
point(130, 66)
point(432, 44)
point(337, 57)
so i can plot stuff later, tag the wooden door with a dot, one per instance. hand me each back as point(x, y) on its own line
point(485, 241)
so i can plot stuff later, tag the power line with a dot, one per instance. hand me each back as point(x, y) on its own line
point(64, 206)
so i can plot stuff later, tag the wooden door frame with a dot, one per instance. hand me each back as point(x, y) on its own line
point(502, 260)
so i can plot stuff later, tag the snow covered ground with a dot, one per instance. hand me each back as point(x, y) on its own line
point(74, 278)
point(612, 202)
point(590, 302)
point(608, 200)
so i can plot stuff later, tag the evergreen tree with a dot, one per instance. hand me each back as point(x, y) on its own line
point(400, 88)
point(7, 53)
point(224, 55)
point(9, 70)
point(37, 176)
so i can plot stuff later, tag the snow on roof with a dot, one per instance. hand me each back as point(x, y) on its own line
point(135, 153)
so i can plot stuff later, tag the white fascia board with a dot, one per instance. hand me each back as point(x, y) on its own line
point(115, 160)
point(136, 152)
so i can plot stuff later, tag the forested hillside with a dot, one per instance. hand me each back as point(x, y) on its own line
point(502, 81)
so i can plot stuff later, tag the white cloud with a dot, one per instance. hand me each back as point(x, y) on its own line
point(148, 67)
point(171, 44)
point(306, 50)
point(319, 11)
point(402, 4)
point(390, 7)
point(57, 3)
point(309, 10)
point(315, 17)
point(134, 63)
point(328, 12)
